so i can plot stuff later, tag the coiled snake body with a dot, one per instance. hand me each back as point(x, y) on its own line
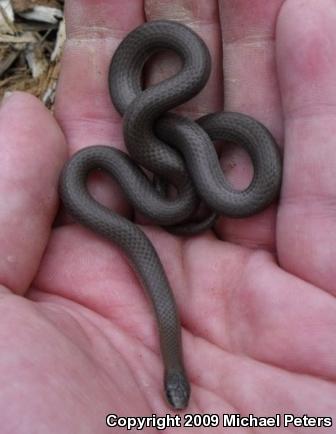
point(178, 151)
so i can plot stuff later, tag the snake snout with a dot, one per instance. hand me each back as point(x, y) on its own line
point(177, 390)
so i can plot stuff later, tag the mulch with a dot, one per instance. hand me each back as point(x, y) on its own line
point(32, 35)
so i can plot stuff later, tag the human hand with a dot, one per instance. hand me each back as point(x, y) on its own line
point(256, 300)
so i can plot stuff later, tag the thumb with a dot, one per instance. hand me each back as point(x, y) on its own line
point(32, 153)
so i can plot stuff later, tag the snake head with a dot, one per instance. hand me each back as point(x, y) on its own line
point(177, 389)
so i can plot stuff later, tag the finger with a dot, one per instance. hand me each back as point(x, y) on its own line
point(33, 151)
point(306, 58)
point(84, 108)
point(94, 30)
point(202, 17)
point(250, 86)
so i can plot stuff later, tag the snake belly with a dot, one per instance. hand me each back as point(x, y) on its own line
point(180, 152)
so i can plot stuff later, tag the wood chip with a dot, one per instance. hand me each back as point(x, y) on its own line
point(24, 38)
point(7, 10)
point(45, 14)
point(6, 60)
point(26, 5)
point(6, 17)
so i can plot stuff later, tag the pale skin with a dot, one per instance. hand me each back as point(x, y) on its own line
point(256, 297)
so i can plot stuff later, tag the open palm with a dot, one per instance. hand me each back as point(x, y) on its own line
point(256, 299)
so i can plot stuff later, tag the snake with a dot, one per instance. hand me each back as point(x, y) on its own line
point(178, 151)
